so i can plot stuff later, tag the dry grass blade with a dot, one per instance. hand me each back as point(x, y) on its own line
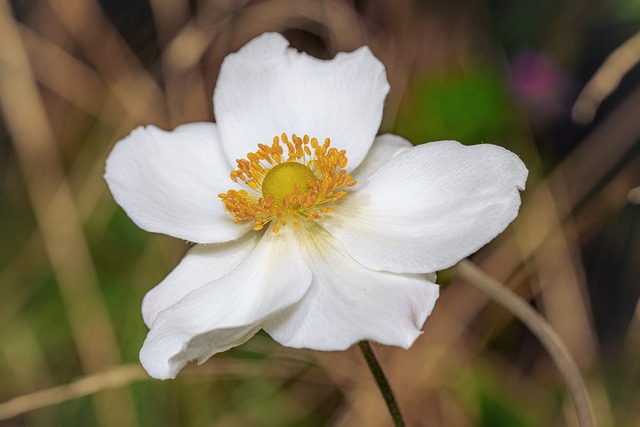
point(108, 52)
point(56, 214)
point(123, 375)
point(117, 377)
point(52, 201)
point(606, 79)
point(545, 333)
point(540, 229)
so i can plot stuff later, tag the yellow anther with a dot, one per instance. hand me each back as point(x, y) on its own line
point(295, 185)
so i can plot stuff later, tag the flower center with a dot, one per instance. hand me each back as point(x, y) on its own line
point(283, 179)
point(297, 189)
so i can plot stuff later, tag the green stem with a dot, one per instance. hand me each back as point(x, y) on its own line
point(542, 329)
point(381, 381)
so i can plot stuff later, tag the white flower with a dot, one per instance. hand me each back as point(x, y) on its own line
point(320, 252)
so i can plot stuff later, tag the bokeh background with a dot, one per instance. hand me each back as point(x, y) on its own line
point(554, 81)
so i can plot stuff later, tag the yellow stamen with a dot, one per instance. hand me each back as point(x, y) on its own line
point(277, 189)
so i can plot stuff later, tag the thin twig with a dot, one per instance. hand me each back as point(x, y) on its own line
point(542, 329)
point(381, 381)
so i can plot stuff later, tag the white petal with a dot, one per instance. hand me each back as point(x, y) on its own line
point(384, 148)
point(266, 89)
point(228, 311)
point(430, 206)
point(201, 265)
point(348, 303)
point(168, 182)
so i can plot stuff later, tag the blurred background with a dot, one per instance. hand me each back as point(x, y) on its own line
point(554, 81)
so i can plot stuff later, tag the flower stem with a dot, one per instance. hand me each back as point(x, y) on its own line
point(381, 381)
point(542, 329)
